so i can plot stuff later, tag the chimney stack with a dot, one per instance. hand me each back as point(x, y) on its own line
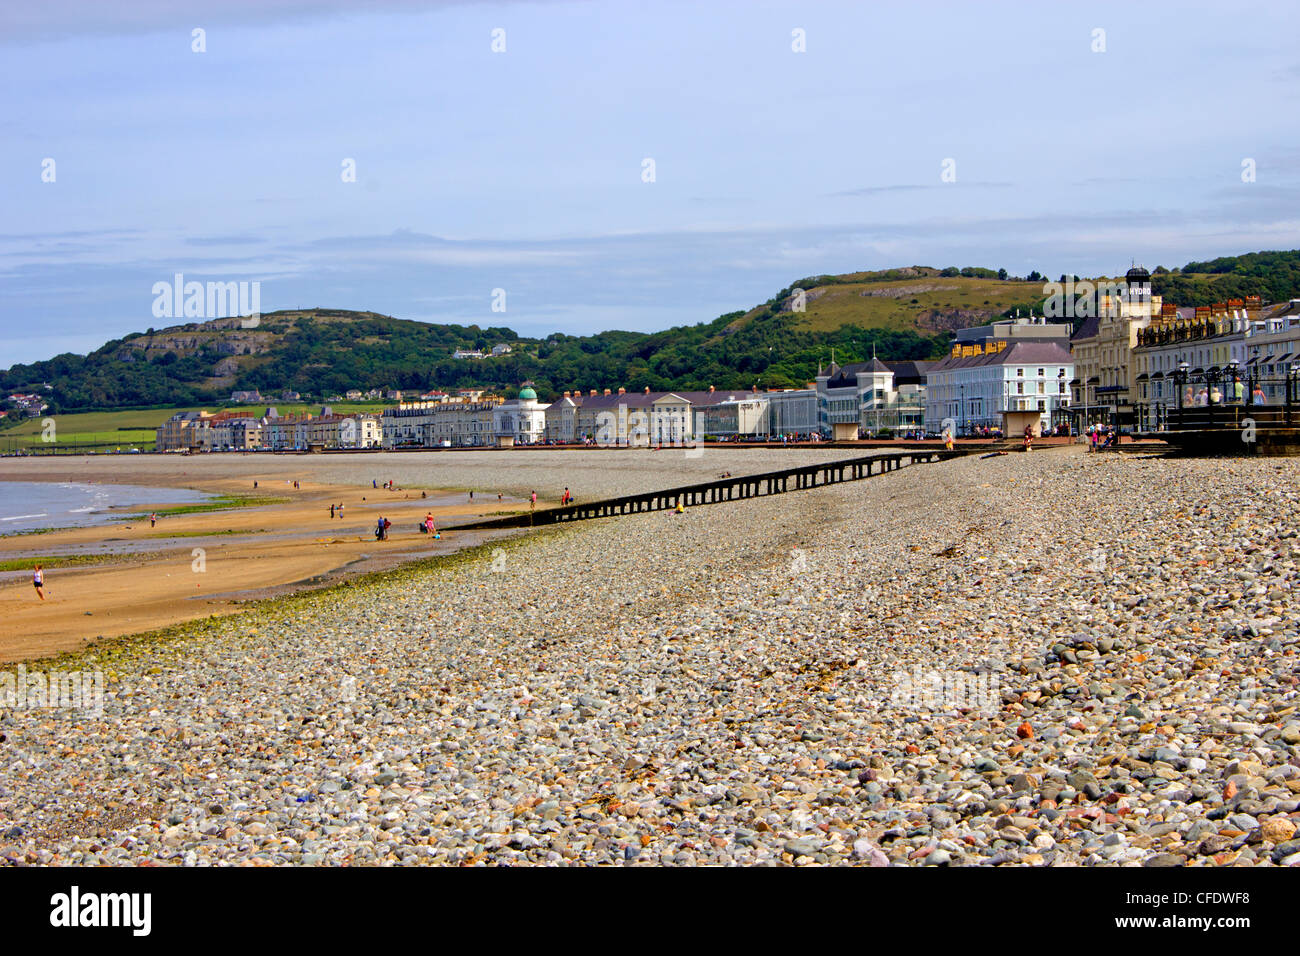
point(606, 391)
point(647, 389)
point(710, 389)
point(566, 394)
point(622, 391)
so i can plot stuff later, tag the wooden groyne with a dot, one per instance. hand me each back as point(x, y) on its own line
point(724, 489)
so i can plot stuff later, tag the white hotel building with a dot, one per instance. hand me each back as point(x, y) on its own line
point(977, 383)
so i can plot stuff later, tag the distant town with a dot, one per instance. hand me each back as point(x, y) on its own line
point(1120, 368)
point(1131, 358)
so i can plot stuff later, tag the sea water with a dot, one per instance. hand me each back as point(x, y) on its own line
point(32, 505)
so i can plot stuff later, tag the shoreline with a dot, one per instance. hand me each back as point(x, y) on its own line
point(121, 576)
point(192, 629)
point(211, 561)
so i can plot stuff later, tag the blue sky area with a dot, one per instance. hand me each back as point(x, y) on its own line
point(523, 169)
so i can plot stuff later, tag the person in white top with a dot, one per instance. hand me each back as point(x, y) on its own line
point(38, 581)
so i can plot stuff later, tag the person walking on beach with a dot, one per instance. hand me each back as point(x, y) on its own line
point(153, 518)
point(340, 511)
point(471, 496)
point(38, 581)
point(331, 512)
point(379, 529)
point(532, 501)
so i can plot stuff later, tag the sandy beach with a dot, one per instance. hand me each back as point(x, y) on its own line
point(196, 565)
point(254, 552)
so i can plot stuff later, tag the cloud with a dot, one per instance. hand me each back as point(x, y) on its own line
point(915, 187)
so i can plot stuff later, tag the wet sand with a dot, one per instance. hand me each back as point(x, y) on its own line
point(209, 563)
point(254, 552)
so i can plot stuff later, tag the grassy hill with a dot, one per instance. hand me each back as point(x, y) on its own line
point(925, 301)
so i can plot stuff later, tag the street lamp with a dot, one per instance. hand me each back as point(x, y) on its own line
point(1060, 395)
point(1180, 383)
point(1292, 389)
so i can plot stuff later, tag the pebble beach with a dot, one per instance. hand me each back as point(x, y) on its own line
point(1055, 658)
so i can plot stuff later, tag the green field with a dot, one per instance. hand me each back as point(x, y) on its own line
point(136, 428)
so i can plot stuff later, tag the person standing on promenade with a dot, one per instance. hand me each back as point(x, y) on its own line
point(38, 582)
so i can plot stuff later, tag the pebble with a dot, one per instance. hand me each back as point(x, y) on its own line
point(720, 687)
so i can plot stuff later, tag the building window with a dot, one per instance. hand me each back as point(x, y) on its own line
point(1020, 372)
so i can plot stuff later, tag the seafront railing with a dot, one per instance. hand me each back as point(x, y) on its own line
point(725, 489)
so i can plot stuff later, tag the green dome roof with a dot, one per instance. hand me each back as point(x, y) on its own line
point(526, 394)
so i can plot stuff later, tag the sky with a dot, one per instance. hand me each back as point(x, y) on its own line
point(617, 164)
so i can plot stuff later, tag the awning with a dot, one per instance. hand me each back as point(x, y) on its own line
point(1095, 380)
point(1156, 375)
point(1075, 381)
point(1253, 361)
point(1144, 376)
point(1197, 371)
